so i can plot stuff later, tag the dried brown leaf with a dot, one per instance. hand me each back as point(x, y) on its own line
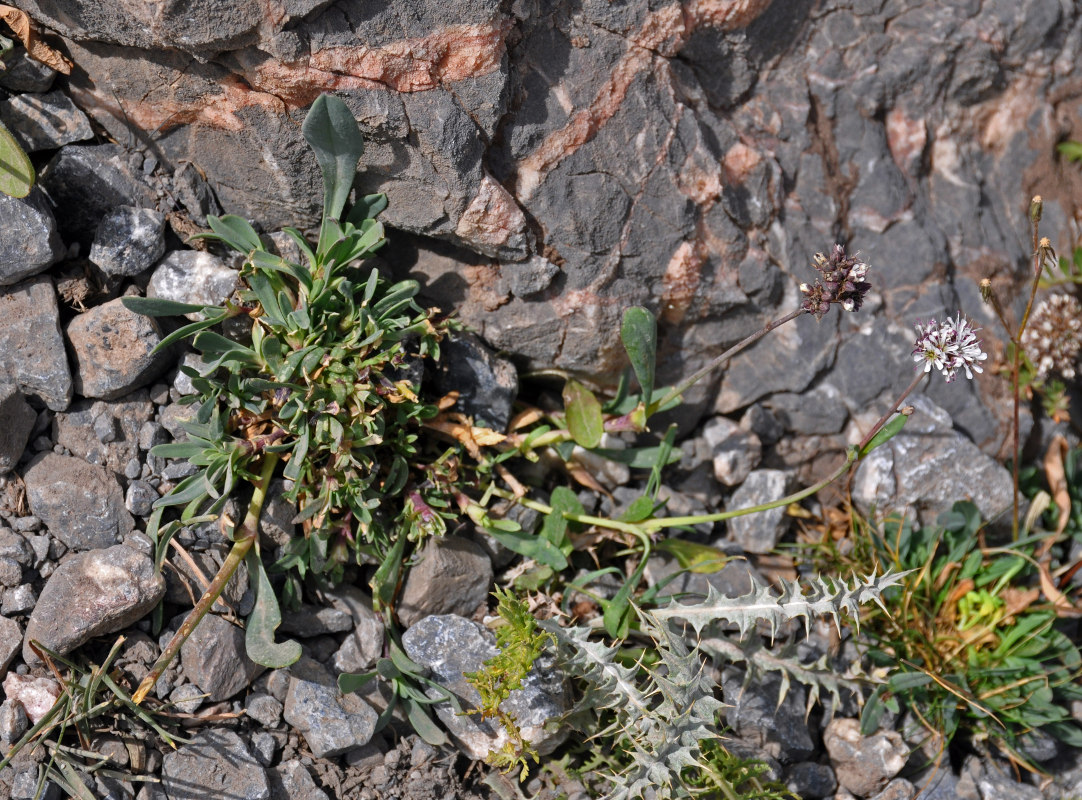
point(1056, 476)
point(23, 28)
point(1060, 604)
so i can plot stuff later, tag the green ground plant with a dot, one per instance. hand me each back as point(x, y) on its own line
point(312, 373)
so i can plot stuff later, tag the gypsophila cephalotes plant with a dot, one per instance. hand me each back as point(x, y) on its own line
point(948, 347)
point(842, 280)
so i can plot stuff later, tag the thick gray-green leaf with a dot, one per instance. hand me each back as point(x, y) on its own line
point(333, 134)
point(158, 307)
point(264, 620)
point(638, 331)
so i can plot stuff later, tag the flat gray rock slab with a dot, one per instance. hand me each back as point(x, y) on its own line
point(11, 639)
point(81, 504)
point(91, 594)
point(113, 349)
point(331, 723)
point(452, 576)
point(32, 348)
point(449, 646)
point(216, 764)
point(29, 242)
point(214, 659)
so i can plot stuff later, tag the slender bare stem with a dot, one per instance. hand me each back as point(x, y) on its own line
point(679, 389)
point(246, 536)
point(883, 420)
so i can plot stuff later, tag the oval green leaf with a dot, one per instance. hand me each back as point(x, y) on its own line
point(264, 620)
point(584, 420)
point(16, 171)
point(638, 332)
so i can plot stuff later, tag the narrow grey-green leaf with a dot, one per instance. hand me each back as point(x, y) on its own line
point(159, 307)
point(584, 420)
point(638, 331)
point(333, 134)
point(886, 433)
point(264, 620)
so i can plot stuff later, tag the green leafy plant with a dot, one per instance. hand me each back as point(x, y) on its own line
point(966, 643)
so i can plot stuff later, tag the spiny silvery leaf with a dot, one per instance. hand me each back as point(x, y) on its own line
point(609, 684)
point(825, 597)
point(817, 677)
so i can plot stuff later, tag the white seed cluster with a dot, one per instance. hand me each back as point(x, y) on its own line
point(1053, 338)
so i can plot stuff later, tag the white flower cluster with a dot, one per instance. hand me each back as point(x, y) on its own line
point(949, 346)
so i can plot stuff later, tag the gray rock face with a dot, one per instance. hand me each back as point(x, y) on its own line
point(24, 74)
point(215, 764)
point(487, 385)
point(449, 646)
point(113, 350)
point(86, 182)
point(452, 576)
point(31, 346)
point(191, 276)
point(81, 504)
point(920, 470)
point(45, 121)
point(576, 158)
point(129, 240)
point(331, 723)
point(105, 432)
point(91, 594)
point(18, 419)
point(214, 659)
point(29, 242)
point(759, 532)
point(862, 764)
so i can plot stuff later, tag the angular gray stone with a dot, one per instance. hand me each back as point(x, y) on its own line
point(18, 422)
point(92, 594)
point(291, 781)
point(452, 575)
point(192, 276)
point(735, 452)
point(24, 74)
point(29, 242)
point(81, 504)
point(364, 645)
point(31, 346)
point(128, 241)
point(757, 715)
point(811, 780)
point(214, 659)
point(264, 709)
point(113, 350)
point(863, 764)
point(487, 384)
point(928, 467)
point(449, 646)
point(331, 723)
point(308, 621)
point(759, 532)
point(86, 182)
point(817, 411)
point(105, 432)
point(11, 639)
point(45, 121)
point(215, 764)
point(18, 600)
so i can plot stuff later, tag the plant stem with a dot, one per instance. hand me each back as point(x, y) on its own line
point(1016, 367)
point(246, 536)
point(679, 389)
point(883, 420)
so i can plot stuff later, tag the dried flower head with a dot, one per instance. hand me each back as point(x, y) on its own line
point(842, 280)
point(1053, 339)
point(949, 346)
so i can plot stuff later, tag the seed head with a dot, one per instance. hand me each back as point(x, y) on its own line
point(948, 347)
point(1053, 338)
